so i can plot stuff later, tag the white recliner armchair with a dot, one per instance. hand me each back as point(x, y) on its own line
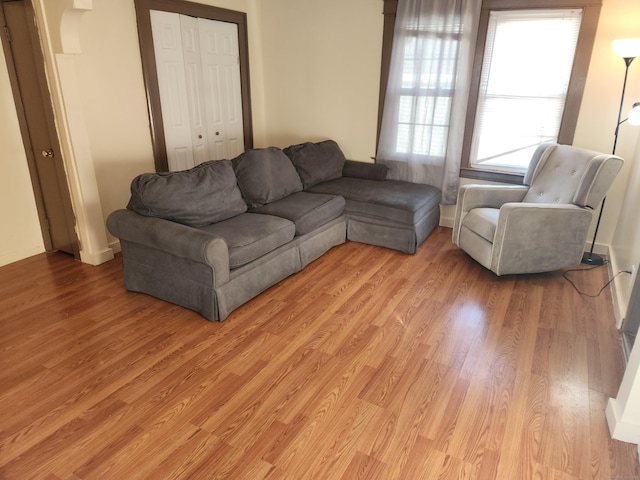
point(542, 225)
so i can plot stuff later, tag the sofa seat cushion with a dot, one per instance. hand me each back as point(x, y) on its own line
point(483, 222)
point(202, 195)
point(265, 175)
point(307, 211)
point(391, 200)
point(250, 236)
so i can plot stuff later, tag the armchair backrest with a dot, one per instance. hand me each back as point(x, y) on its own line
point(566, 174)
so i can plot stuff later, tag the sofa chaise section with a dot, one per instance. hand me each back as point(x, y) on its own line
point(390, 213)
point(387, 213)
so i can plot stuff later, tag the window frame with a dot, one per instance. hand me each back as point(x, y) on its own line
point(586, 37)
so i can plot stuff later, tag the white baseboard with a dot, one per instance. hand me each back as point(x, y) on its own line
point(96, 258)
point(115, 246)
point(21, 254)
point(625, 432)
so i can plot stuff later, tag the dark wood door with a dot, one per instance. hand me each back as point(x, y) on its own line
point(35, 113)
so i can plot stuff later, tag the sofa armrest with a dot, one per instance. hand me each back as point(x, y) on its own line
point(173, 238)
point(521, 246)
point(368, 171)
point(484, 196)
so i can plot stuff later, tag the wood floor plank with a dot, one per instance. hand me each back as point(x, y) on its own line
point(368, 364)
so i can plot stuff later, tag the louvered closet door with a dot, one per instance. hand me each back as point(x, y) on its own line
point(199, 80)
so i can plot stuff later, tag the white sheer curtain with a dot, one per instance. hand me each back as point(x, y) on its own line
point(426, 100)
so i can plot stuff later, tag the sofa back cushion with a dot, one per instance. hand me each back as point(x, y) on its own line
point(200, 196)
point(265, 175)
point(367, 171)
point(316, 162)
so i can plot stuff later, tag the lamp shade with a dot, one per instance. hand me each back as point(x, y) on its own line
point(634, 115)
point(627, 47)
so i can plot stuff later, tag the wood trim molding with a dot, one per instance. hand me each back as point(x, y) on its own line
point(389, 11)
point(70, 25)
point(150, 70)
point(586, 39)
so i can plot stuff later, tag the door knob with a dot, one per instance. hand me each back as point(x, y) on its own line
point(48, 153)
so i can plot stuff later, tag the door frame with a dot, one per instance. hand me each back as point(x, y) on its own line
point(51, 126)
point(150, 71)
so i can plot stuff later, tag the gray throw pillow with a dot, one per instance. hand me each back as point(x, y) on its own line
point(265, 175)
point(197, 197)
point(368, 171)
point(316, 162)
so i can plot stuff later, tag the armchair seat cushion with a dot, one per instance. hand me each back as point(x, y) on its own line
point(250, 236)
point(483, 222)
point(307, 211)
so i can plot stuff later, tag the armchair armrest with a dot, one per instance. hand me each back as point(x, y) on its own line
point(520, 244)
point(484, 196)
point(174, 238)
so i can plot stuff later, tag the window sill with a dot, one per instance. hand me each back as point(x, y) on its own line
point(492, 176)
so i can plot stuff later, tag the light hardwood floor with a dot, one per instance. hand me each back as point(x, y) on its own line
point(369, 364)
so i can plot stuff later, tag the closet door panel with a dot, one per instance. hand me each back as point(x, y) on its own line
point(167, 44)
point(221, 76)
point(195, 90)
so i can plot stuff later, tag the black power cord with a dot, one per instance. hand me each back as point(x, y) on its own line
point(587, 269)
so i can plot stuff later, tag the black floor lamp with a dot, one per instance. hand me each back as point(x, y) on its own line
point(628, 49)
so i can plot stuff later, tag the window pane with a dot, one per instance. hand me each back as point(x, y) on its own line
point(429, 53)
point(524, 82)
point(423, 125)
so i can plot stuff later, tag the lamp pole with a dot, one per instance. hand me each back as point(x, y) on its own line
point(589, 257)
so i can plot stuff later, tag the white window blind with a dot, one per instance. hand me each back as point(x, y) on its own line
point(525, 76)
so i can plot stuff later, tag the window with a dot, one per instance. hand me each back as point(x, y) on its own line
point(497, 147)
point(426, 89)
point(428, 49)
point(531, 61)
point(523, 85)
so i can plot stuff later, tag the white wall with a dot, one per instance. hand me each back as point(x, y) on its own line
point(599, 110)
point(315, 74)
point(21, 236)
point(624, 237)
point(322, 72)
point(112, 90)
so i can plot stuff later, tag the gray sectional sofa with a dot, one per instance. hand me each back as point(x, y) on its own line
point(213, 237)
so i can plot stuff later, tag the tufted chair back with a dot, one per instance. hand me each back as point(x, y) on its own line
point(542, 225)
point(566, 174)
